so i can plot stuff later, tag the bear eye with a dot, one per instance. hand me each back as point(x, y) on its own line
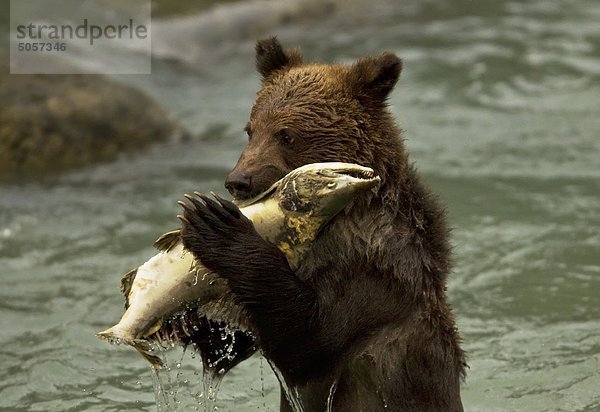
point(284, 137)
point(248, 131)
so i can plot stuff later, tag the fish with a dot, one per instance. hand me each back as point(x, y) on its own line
point(289, 214)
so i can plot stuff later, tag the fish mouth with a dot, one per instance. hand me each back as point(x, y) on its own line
point(353, 174)
point(349, 169)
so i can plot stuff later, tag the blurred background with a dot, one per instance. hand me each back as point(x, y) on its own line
point(500, 104)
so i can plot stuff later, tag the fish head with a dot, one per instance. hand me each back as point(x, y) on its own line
point(324, 189)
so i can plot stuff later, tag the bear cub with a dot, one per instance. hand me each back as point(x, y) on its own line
point(363, 324)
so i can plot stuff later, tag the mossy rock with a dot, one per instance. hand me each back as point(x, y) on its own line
point(52, 123)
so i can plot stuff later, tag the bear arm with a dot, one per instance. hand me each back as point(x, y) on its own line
point(282, 308)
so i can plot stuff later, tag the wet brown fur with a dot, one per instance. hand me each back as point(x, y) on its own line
point(367, 310)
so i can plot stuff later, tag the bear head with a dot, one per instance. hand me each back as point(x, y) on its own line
point(310, 112)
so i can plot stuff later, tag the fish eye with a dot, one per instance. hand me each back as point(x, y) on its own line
point(331, 185)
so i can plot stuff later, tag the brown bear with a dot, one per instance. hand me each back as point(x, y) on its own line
point(363, 324)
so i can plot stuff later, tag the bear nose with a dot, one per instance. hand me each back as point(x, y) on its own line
point(238, 184)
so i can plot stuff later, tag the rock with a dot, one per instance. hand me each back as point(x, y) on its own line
point(52, 123)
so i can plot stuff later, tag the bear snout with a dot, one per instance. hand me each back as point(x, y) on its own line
point(239, 184)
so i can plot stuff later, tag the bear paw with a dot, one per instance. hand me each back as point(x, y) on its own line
point(216, 232)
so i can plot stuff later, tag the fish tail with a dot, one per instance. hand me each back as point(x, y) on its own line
point(114, 336)
point(141, 345)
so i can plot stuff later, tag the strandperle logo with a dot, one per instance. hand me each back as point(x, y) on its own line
point(91, 32)
point(74, 36)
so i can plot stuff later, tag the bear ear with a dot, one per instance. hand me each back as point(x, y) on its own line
point(373, 78)
point(271, 57)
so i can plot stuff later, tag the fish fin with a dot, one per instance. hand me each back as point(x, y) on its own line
point(226, 310)
point(145, 349)
point(168, 241)
point(126, 282)
point(154, 328)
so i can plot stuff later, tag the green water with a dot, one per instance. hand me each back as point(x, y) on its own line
point(500, 103)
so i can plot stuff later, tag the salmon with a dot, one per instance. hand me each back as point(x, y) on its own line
point(289, 214)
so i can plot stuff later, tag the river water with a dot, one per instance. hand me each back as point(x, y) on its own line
point(500, 103)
